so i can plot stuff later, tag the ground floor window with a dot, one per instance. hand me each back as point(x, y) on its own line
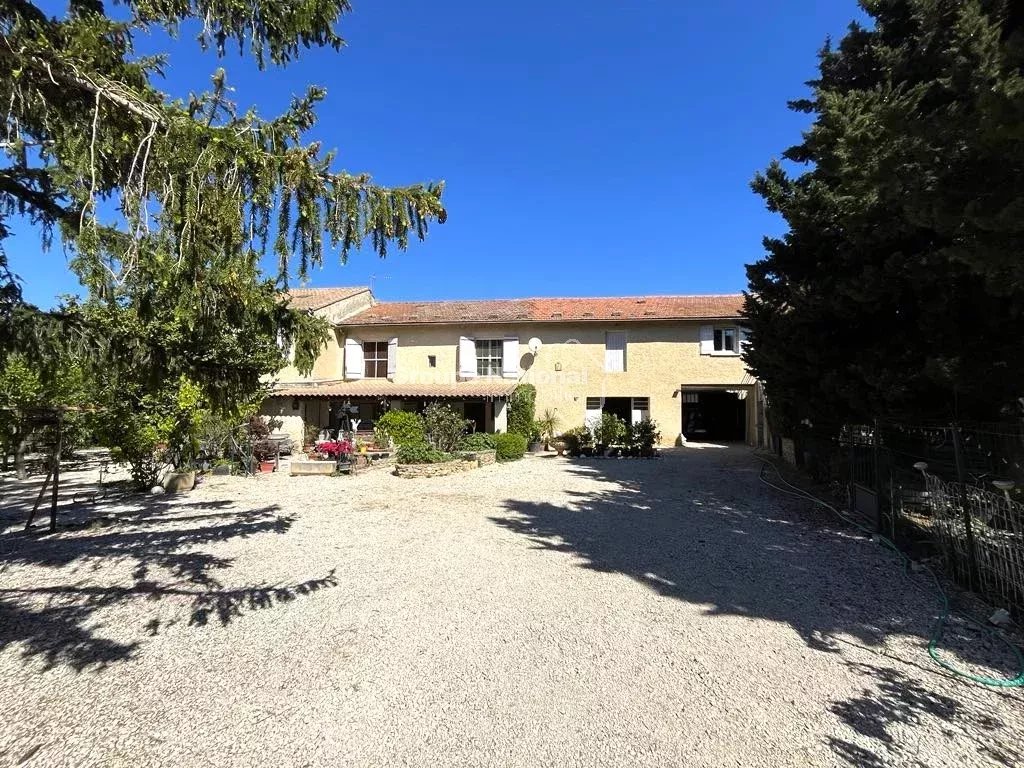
point(629, 409)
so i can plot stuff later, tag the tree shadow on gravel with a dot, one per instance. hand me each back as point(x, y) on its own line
point(716, 537)
point(893, 701)
point(162, 545)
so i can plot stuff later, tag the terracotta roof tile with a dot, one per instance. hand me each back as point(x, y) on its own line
point(625, 308)
point(318, 298)
point(385, 388)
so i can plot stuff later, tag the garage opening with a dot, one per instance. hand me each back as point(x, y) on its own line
point(715, 415)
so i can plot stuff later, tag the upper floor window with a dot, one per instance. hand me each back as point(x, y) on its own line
point(726, 340)
point(488, 357)
point(375, 359)
point(615, 351)
point(722, 339)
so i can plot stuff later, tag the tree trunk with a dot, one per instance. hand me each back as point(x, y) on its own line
point(19, 457)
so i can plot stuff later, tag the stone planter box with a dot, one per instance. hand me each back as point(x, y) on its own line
point(301, 468)
point(482, 458)
point(436, 470)
point(178, 482)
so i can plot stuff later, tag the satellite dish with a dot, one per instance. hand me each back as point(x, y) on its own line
point(534, 345)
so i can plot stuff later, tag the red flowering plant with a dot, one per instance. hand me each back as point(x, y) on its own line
point(335, 449)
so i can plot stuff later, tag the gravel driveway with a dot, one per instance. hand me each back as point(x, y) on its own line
point(549, 612)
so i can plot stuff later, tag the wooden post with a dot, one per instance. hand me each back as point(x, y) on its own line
point(39, 500)
point(56, 473)
point(961, 476)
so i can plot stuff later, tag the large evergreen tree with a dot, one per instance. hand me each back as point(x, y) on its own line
point(898, 289)
point(167, 206)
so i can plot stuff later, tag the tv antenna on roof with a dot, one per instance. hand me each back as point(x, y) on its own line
point(373, 279)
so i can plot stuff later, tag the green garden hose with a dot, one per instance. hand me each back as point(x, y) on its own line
point(940, 625)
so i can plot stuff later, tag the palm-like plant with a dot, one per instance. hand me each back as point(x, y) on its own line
point(547, 425)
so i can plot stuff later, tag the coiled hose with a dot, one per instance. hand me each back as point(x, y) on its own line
point(939, 627)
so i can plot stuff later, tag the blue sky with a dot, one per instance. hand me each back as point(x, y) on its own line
point(589, 148)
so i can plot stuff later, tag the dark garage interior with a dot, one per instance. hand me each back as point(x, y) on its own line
point(714, 415)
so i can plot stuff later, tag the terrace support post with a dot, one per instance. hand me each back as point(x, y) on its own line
point(961, 496)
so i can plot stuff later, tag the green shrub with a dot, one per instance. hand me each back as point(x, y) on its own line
point(644, 435)
point(509, 446)
point(610, 430)
point(521, 408)
point(404, 427)
point(575, 439)
point(422, 453)
point(478, 441)
point(445, 428)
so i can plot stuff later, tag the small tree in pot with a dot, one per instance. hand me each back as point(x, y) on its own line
point(610, 430)
point(548, 425)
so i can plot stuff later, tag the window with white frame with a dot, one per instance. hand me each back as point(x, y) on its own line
point(615, 351)
point(375, 359)
point(726, 340)
point(489, 357)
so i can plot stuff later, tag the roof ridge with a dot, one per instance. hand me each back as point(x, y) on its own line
point(568, 298)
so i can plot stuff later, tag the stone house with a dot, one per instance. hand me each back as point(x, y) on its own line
point(674, 359)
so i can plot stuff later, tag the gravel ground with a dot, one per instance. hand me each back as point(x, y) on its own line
point(548, 612)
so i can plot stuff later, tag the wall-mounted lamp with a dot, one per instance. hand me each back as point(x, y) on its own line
point(558, 366)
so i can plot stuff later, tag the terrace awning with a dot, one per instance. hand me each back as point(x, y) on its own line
point(488, 389)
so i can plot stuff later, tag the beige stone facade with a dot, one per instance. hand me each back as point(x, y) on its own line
point(684, 373)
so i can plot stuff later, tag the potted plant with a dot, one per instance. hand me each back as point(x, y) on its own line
point(573, 440)
point(547, 425)
point(309, 435)
point(338, 451)
point(610, 430)
point(535, 445)
point(221, 467)
point(646, 436)
point(265, 453)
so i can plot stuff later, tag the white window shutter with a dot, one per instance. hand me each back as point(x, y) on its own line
point(510, 357)
point(707, 339)
point(392, 357)
point(640, 409)
point(467, 357)
point(593, 413)
point(615, 351)
point(353, 358)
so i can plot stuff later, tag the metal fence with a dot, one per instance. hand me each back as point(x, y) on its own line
point(953, 490)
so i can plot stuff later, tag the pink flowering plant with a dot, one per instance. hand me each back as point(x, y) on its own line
point(335, 449)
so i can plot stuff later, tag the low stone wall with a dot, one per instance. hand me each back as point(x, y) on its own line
point(435, 470)
point(482, 458)
point(312, 468)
